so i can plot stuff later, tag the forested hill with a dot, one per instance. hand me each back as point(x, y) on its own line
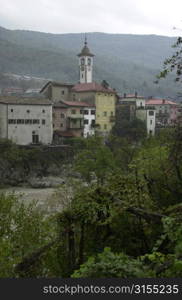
point(127, 62)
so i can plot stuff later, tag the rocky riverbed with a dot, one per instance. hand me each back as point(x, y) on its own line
point(49, 200)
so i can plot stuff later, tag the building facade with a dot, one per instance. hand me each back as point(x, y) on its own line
point(166, 111)
point(104, 99)
point(73, 119)
point(139, 110)
point(26, 120)
point(57, 91)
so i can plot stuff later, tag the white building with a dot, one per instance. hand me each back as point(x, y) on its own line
point(89, 121)
point(26, 120)
point(85, 64)
point(143, 112)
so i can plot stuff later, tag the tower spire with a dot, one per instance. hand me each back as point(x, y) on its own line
point(85, 39)
point(85, 63)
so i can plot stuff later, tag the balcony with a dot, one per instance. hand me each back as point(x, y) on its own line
point(75, 116)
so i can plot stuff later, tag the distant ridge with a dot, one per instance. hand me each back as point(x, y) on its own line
point(128, 62)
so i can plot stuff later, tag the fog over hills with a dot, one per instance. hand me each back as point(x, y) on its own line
point(128, 62)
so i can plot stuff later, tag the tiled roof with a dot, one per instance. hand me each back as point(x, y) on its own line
point(24, 101)
point(56, 83)
point(77, 103)
point(92, 86)
point(63, 133)
point(128, 96)
point(159, 102)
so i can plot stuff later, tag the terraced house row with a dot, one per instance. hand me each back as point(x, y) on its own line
point(66, 110)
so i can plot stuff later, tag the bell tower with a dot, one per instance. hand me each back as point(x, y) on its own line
point(85, 64)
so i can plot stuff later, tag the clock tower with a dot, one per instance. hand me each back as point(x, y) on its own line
point(85, 64)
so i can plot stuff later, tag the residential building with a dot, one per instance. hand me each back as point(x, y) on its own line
point(26, 120)
point(166, 111)
point(89, 120)
point(137, 109)
point(57, 91)
point(73, 119)
point(100, 96)
point(104, 98)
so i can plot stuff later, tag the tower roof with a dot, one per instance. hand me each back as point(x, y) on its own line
point(85, 50)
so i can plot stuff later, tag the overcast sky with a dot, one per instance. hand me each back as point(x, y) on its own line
point(111, 16)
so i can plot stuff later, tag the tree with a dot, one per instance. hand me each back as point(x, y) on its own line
point(110, 265)
point(95, 161)
point(174, 63)
point(133, 130)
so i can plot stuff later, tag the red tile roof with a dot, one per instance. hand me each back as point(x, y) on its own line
point(63, 133)
point(159, 102)
point(92, 86)
point(77, 103)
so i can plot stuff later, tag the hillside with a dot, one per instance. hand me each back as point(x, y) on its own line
point(127, 62)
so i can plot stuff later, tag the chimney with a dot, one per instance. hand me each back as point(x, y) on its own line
point(124, 95)
point(136, 94)
point(163, 101)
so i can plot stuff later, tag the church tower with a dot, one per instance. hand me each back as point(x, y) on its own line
point(85, 64)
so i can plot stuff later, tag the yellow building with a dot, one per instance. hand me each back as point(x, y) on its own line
point(104, 99)
point(101, 96)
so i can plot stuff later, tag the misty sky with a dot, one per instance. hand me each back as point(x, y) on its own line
point(111, 16)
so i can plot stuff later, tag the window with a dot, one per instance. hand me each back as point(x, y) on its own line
point(35, 121)
point(43, 111)
point(20, 121)
point(81, 111)
point(105, 113)
point(62, 116)
point(105, 126)
point(28, 121)
point(93, 122)
point(11, 110)
point(92, 112)
point(35, 138)
point(151, 113)
point(61, 125)
point(62, 92)
point(150, 122)
point(89, 61)
point(86, 121)
point(111, 113)
point(85, 112)
point(43, 121)
point(82, 61)
point(73, 111)
point(141, 104)
point(28, 111)
point(11, 121)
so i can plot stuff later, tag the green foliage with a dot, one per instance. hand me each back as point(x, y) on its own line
point(111, 265)
point(96, 160)
point(127, 198)
point(22, 231)
point(133, 130)
point(174, 63)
